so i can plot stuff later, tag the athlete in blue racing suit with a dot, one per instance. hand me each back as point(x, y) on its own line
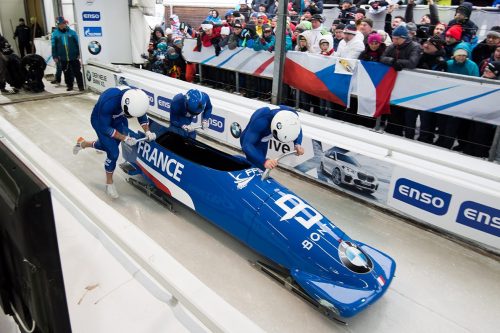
point(185, 108)
point(283, 124)
point(109, 120)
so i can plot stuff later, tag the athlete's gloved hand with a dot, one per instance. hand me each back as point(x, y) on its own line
point(150, 136)
point(204, 124)
point(270, 164)
point(188, 128)
point(130, 141)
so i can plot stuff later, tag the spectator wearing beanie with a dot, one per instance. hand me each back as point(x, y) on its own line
point(448, 126)
point(462, 15)
point(267, 41)
point(347, 11)
point(453, 37)
point(366, 28)
point(495, 56)
point(428, 22)
point(412, 31)
point(484, 49)
point(360, 14)
point(480, 135)
point(433, 58)
point(403, 53)
point(374, 48)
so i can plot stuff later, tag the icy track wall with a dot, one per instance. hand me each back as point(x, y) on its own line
point(456, 194)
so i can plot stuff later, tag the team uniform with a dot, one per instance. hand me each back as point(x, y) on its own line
point(255, 138)
point(107, 118)
point(181, 115)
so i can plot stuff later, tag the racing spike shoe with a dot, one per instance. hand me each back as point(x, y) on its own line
point(111, 191)
point(78, 145)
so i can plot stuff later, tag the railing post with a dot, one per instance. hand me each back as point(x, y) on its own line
point(378, 122)
point(237, 77)
point(297, 98)
point(200, 75)
point(495, 146)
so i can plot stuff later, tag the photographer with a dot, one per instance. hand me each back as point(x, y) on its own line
point(315, 6)
point(428, 22)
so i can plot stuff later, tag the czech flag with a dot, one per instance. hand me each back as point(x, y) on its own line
point(317, 75)
point(375, 82)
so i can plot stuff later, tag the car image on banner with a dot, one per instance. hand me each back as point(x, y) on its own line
point(345, 169)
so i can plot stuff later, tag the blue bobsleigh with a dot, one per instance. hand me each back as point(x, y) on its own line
point(339, 275)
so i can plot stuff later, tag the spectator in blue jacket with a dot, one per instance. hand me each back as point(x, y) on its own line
point(267, 41)
point(449, 128)
point(66, 51)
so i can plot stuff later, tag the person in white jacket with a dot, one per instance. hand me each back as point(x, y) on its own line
point(317, 33)
point(352, 45)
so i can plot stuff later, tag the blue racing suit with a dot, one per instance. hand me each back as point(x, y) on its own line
point(180, 116)
point(255, 137)
point(107, 118)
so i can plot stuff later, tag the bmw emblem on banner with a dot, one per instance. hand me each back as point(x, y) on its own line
point(354, 258)
point(235, 130)
point(89, 76)
point(94, 47)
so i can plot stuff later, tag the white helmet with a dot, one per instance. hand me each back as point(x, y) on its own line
point(135, 103)
point(285, 126)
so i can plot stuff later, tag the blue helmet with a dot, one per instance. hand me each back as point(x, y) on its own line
point(195, 101)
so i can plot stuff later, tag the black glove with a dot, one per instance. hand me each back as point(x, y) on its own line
point(217, 49)
point(397, 66)
point(198, 44)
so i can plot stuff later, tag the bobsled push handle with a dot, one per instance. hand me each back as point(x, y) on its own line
point(266, 173)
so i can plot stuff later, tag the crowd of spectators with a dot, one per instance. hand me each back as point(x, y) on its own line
point(404, 43)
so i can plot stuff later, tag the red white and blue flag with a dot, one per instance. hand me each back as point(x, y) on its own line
point(375, 82)
point(317, 75)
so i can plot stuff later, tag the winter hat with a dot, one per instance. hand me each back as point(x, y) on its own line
point(455, 31)
point(462, 49)
point(350, 29)
point(361, 11)
point(465, 8)
point(493, 33)
point(305, 25)
point(225, 31)
point(324, 40)
point(348, 1)
point(340, 26)
point(261, 15)
point(161, 46)
point(436, 41)
point(400, 31)
point(494, 67)
point(411, 26)
point(60, 20)
point(317, 17)
point(206, 25)
point(374, 38)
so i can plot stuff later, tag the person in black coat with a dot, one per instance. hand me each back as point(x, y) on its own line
point(23, 35)
point(484, 49)
point(35, 66)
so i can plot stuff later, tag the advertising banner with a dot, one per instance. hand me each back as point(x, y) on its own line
point(320, 76)
point(446, 205)
point(103, 29)
point(98, 79)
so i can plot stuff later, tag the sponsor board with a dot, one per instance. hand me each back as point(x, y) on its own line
point(99, 79)
point(91, 16)
point(480, 217)
point(163, 103)
point(216, 123)
point(94, 47)
point(462, 209)
point(424, 197)
point(92, 31)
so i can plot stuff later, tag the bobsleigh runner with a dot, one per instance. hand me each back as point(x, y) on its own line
point(306, 252)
